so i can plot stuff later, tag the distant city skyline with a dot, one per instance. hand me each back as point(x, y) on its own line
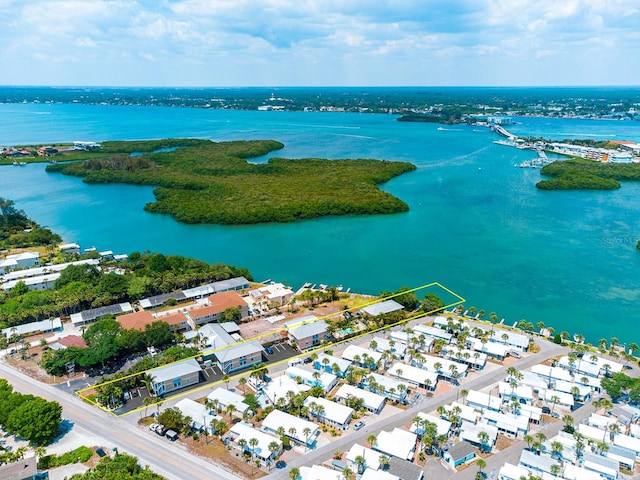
point(320, 42)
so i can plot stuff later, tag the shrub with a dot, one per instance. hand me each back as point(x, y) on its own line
point(557, 338)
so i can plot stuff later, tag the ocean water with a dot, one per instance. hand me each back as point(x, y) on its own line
point(476, 224)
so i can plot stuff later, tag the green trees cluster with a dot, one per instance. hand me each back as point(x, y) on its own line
point(32, 418)
point(620, 384)
point(107, 340)
point(119, 466)
point(211, 182)
point(19, 231)
point(82, 287)
point(581, 174)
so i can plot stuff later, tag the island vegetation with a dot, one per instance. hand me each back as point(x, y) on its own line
point(18, 231)
point(444, 117)
point(581, 174)
point(208, 182)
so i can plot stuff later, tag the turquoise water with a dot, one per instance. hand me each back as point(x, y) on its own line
point(476, 224)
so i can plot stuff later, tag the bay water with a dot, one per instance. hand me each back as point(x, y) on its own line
point(476, 223)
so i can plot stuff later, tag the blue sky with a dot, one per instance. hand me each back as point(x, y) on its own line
point(320, 42)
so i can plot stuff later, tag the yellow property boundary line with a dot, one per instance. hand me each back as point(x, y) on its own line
point(459, 300)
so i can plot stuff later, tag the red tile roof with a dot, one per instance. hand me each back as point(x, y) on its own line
point(137, 320)
point(73, 341)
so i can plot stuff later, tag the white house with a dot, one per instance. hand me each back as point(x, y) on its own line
point(324, 380)
point(371, 457)
point(332, 413)
point(414, 375)
point(443, 426)
point(294, 427)
point(279, 387)
point(434, 332)
point(200, 417)
point(483, 401)
point(245, 431)
point(372, 401)
point(523, 393)
point(226, 397)
point(382, 308)
point(509, 471)
point(331, 364)
point(593, 433)
point(392, 388)
point(398, 443)
point(470, 432)
point(365, 357)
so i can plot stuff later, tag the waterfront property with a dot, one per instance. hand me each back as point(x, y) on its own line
point(275, 293)
point(175, 376)
point(382, 308)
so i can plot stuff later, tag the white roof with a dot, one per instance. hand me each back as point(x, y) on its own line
point(381, 308)
point(386, 382)
point(563, 386)
point(297, 322)
point(592, 432)
point(429, 363)
point(318, 472)
point(354, 350)
point(413, 374)
point(398, 348)
point(336, 412)
point(509, 422)
point(278, 388)
point(277, 419)
point(227, 397)
point(174, 370)
point(467, 413)
point(600, 421)
point(434, 332)
point(512, 472)
point(520, 391)
point(534, 413)
point(398, 443)
point(371, 474)
point(546, 371)
point(476, 358)
point(514, 339)
point(31, 281)
point(565, 399)
point(572, 472)
point(626, 441)
point(490, 348)
point(443, 426)
point(372, 401)
point(483, 400)
point(470, 431)
point(242, 430)
point(533, 380)
point(371, 457)
point(200, 417)
point(588, 365)
point(28, 328)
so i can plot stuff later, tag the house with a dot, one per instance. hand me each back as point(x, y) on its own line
point(508, 424)
point(313, 378)
point(371, 474)
point(88, 316)
point(414, 375)
point(178, 321)
point(210, 337)
point(537, 465)
point(404, 469)
point(625, 457)
point(274, 293)
point(318, 472)
point(371, 458)
point(459, 454)
point(69, 248)
point(574, 472)
point(522, 393)
point(372, 401)
point(297, 429)
point(218, 304)
point(593, 433)
point(24, 469)
point(434, 332)
point(630, 443)
point(200, 416)
point(330, 364)
point(472, 359)
point(554, 397)
point(471, 432)
point(239, 356)
point(363, 357)
point(331, 413)
point(509, 471)
point(26, 329)
point(443, 426)
point(446, 369)
point(465, 413)
point(391, 388)
point(398, 443)
point(384, 345)
point(262, 451)
point(174, 376)
point(382, 308)
point(307, 336)
point(41, 282)
point(603, 466)
point(136, 320)
point(278, 388)
point(231, 284)
point(21, 260)
point(69, 341)
point(483, 401)
point(551, 374)
point(497, 351)
point(223, 398)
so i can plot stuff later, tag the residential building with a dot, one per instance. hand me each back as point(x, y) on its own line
point(460, 453)
point(398, 443)
point(330, 364)
point(27, 329)
point(391, 388)
point(200, 416)
point(332, 413)
point(470, 432)
point(310, 335)
point(174, 376)
point(42, 282)
point(313, 378)
point(405, 470)
point(239, 356)
point(443, 426)
point(223, 398)
point(89, 316)
point(294, 427)
point(371, 458)
point(363, 357)
point(414, 376)
point(483, 401)
point(246, 431)
point(274, 293)
point(385, 345)
point(382, 308)
point(23, 469)
point(372, 401)
point(512, 472)
point(218, 304)
point(434, 332)
point(278, 388)
point(68, 341)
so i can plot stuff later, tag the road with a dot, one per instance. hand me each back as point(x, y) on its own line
point(170, 460)
point(547, 350)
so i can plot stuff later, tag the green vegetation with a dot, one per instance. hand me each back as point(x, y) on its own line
point(79, 455)
point(207, 182)
point(29, 417)
point(18, 231)
point(620, 384)
point(426, 118)
point(82, 287)
point(580, 174)
point(120, 466)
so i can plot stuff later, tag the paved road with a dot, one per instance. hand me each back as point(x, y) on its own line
point(168, 459)
point(547, 350)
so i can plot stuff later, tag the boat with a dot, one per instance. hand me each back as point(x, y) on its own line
point(19, 164)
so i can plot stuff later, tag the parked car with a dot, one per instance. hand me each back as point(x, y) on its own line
point(546, 410)
point(269, 350)
point(358, 425)
point(308, 360)
point(515, 354)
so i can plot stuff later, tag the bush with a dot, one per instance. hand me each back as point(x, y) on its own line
point(79, 455)
point(557, 338)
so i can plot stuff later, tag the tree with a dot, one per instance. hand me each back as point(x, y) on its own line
point(528, 440)
point(294, 473)
point(273, 447)
point(158, 333)
point(347, 473)
point(121, 465)
point(481, 463)
point(226, 379)
point(483, 438)
point(173, 419)
point(34, 419)
point(253, 443)
point(242, 383)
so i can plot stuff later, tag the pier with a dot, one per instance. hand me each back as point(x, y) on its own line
point(539, 162)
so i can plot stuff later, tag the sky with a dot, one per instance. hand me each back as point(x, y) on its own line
point(319, 42)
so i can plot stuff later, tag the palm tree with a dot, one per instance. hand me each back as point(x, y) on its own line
point(306, 433)
point(292, 432)
point(528, 440)
point(273, 448)
point(384, 462)
point(294, 473)
point(554, 401)
point(226, 379)
point(481, 463)
point(556, 449)
point(371, 440)
point(243, 384)
point(253, 443)
point(360, 461)
point(555, 469)
point(483, 438)
point(346, 473)
point(229, 409)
